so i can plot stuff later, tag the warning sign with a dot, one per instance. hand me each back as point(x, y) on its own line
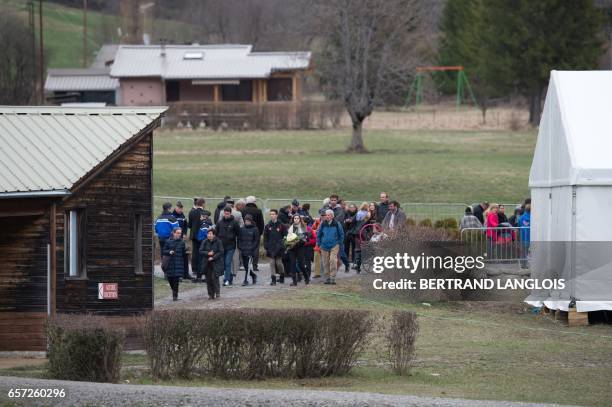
point(108, 291)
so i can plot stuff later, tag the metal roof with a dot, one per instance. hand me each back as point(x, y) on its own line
point(105, 56)
point(217, 62)
point(59, 80)
point(46, 150)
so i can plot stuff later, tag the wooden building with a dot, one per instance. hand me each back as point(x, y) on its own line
point(75, 213)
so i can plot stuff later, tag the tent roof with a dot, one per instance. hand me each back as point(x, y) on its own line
point(575, 135)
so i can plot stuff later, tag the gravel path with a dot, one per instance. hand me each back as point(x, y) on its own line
point(237, 296)
point(102, 394)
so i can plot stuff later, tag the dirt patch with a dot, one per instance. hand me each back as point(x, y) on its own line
point(10, 363)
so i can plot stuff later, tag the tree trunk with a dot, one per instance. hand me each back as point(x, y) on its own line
point(356, 145)
point(535, 107)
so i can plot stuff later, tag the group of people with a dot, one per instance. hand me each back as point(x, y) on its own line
point(294, 240)
point(500, 229)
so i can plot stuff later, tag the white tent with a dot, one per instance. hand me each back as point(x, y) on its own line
point(571, 192)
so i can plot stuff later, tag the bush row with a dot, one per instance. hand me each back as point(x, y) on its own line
point(255, 343)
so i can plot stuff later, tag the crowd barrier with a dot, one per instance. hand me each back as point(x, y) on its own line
point(497, 245)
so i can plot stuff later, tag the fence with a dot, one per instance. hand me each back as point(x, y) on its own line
point(251, 115)
point(497, 245)
point(417, 211)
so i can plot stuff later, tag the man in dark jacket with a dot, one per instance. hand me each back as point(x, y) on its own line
point(220, 207)
point(194, 221)
point(179, 215)
point(383, 207)
point(248, 244)
point(174, 250)
point(164, 225)
point(478, 211)
point(274, 233)
point(258, 219)
point(228, 230)
point(211, 253)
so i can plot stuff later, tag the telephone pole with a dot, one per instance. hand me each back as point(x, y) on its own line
point(41, 55)
point(84, 33)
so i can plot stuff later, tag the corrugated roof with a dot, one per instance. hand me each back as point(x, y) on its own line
point(217, 62)
point(64, 80)
point(48, 149)
point(105, 56)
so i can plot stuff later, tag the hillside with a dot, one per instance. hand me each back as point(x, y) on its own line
point(63, 31)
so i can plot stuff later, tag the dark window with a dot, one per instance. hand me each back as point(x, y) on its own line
point(173, 91)
point(280, 89)
point(75, 243)
point(138, 244)
point(237, 93)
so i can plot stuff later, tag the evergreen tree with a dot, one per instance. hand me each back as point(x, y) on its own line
point(531, 38)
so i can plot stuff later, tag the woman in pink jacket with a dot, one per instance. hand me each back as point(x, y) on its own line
point(492, 222)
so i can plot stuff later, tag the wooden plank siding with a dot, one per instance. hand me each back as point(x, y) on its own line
point(111, 199)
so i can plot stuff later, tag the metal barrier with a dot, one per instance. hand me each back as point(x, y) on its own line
point(497, 245)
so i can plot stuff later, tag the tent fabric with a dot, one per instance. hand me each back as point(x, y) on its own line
point(571, 191)
point(574, 137)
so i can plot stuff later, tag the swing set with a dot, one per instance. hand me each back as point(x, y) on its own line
point(416, 88)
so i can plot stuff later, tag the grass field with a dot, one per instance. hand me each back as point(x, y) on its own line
point(63, 31)
point(413, 165)
point(487, 351)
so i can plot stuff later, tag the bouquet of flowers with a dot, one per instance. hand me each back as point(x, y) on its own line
point(291, 240)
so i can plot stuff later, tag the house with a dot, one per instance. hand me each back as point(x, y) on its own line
point(93, 85)
point(76, 215)
point(158, 74)
point(571, 191)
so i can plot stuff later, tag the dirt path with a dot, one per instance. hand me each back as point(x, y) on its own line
point(102, 394)
point(237, 296)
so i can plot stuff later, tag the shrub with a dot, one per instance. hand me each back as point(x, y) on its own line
point(401, 337)
point(84, 348)
point(447, 223)
point(410, 222)
point(425, 222)
point(254, 343)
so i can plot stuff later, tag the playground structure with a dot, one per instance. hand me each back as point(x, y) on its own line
point(416, 88)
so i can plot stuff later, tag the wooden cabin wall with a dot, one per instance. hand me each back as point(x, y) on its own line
point(23, 281)
point(111, 200)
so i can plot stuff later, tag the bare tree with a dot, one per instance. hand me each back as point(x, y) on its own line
point(366, 53)
point(17, 65)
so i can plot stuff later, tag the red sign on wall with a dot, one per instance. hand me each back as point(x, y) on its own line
point(108, 291)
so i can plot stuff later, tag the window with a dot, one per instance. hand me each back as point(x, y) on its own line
point(280, 89)
point(138, 243)
point(74, 243)
point(237, 93)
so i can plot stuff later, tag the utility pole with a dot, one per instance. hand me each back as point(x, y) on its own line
point(32, 24)
point(84, 33)
point(41, 60)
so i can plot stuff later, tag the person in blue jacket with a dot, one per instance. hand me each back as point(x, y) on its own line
point(330, 236)
point(164, 224)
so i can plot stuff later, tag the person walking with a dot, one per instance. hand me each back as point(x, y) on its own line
point(228, 230)
point(248, 244)
point(317, 250)
point(295, 241)
point(274, 233)
point(350, 223)
point(258, 218)
point(179, 215)
point(164, 224)
point(525, 234)
point(212, 255)
point(205, 226)
point(361, 218)
point(194, 222)
point(383, 207)
point(395, 218)
point(309, 246)
point(329, 238)
point(173, 256)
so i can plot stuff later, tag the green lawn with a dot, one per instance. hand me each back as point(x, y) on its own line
point(414, 166)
